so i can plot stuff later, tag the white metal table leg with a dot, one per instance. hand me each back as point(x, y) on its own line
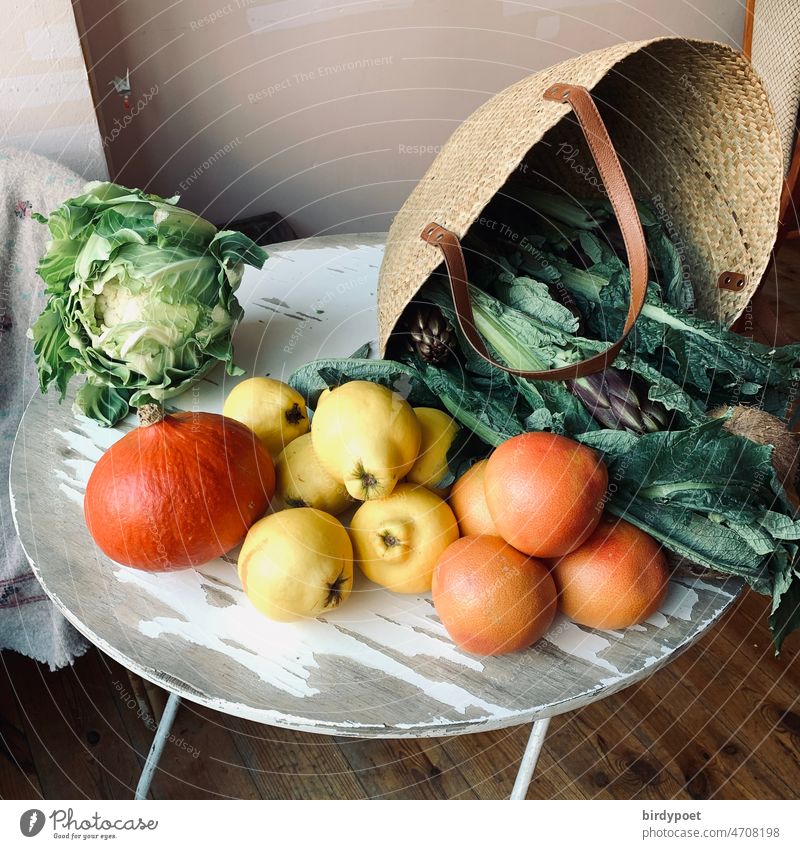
point(154, 755)
point(528, 762)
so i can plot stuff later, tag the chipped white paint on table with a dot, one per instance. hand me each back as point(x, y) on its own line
point(382, 665)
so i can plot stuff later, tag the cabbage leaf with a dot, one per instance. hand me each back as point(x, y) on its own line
point(140, 299)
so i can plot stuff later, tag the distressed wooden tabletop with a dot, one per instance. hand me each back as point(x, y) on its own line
point(382, 665)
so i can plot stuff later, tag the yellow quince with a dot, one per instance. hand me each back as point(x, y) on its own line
point(367, 437)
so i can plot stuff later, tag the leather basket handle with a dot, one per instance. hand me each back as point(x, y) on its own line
point(622, 202)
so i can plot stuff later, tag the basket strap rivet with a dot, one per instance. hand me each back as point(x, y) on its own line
point(559, 92)
point(733, 281)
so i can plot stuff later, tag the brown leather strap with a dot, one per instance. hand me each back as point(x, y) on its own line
point(624, 207)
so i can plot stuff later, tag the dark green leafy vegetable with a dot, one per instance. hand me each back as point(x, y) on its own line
point(700, 355)
point(313, 378)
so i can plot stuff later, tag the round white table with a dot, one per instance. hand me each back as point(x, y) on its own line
point(382, 665)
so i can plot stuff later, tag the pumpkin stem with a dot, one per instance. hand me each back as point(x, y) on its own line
point(149, 414)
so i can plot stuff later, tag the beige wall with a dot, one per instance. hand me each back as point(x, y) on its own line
point(325, 111)
point(45, 103)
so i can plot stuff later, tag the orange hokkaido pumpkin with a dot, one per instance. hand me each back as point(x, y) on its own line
point(177, 491)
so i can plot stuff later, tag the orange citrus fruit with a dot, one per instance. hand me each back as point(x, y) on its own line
point(491, 598)
point(617, 578)
point(468, 502)
point(545, 492)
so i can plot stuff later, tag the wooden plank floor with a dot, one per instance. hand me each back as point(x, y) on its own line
point(722, 721)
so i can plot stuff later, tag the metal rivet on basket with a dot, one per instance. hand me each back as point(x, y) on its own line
point(731, 280)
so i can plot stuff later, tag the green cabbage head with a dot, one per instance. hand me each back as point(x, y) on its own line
point(140, 298)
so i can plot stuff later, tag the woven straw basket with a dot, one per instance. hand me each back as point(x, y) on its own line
point(692, 128)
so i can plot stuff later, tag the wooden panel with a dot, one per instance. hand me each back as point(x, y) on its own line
point(708, 754)
point(203, 760)
point(78, 742)
point(18, 776)
point(293, 765)
point(747, 36)
point(392, 769)
point(613, 754)
point(200, 759)
point(650, 741)
point(489, 761)
point(761, 714)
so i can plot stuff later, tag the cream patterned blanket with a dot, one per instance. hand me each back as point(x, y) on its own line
point(29, 623)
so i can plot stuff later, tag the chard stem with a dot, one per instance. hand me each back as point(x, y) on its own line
point(472, 422)
point(589, 285)
point(664, 490)
point(506, 346)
